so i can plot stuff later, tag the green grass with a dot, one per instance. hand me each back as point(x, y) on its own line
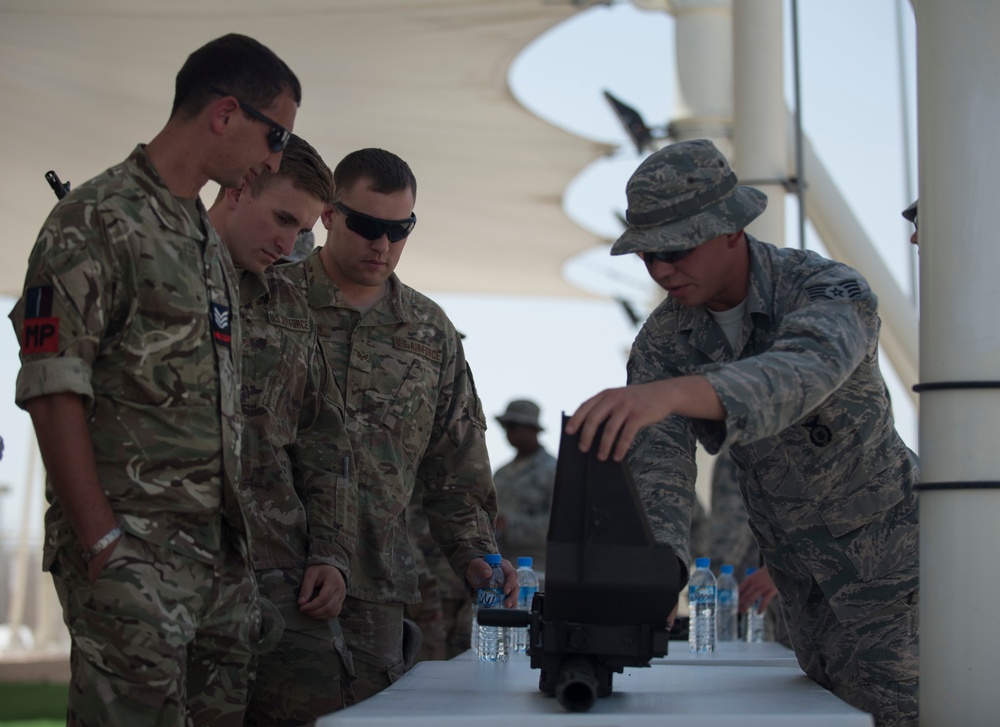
point(32, 705)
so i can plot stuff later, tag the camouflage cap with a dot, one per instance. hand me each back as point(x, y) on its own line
point(910, 213)
point(521, 411)
point(683, 195)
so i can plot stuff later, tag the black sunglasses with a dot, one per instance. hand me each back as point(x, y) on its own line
point(277, 137)
point(372, 228)
point(666, 257)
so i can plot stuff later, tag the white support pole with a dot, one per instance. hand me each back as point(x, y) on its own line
point(958, 104)
point(759, 123)
point(704, 46)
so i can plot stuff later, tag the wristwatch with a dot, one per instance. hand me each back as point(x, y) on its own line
point(101, 545)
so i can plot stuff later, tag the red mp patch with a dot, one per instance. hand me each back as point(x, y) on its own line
point(40, 335)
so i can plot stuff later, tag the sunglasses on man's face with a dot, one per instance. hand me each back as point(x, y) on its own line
point(372, 228)
point(665, 257)
point(277, 135)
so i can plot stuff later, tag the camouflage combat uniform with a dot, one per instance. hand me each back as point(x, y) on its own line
point(729, 539)
point(827, 482)
point(296, 465)
point(444, 613)
point(127, 303)
point(524, 496)
point(412, 414)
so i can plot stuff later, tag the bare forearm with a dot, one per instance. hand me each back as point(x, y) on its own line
point(67, 451)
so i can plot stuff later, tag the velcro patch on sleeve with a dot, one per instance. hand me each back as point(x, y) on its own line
point(40, 331)
point(221, 329)
point(834, 291)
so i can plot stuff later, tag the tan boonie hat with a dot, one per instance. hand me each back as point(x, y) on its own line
point(521, 411)
point(683, 195)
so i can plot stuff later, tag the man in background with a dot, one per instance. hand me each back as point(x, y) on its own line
point(131, 379)
point(524, 486)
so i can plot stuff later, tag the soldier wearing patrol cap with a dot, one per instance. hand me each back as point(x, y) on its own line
point(772, 355)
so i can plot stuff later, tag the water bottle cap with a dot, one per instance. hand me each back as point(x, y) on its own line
point(702, 562)
point(493, 558)
point(726, 569)
point(751, 571)
point(524, 562)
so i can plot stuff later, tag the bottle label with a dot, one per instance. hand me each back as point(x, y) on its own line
point(701, 594)
point(525, 594)
point(490, 598)
point(727, 597)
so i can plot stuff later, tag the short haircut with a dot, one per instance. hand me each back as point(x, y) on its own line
point(386, 172)
point(238, 65)
point(304, 167)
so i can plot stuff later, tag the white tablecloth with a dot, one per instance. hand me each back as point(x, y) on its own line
point(742, 684)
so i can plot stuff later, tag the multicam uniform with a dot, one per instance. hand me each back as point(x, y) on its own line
point(412, 413)
point(524, 495)
point(296, 466)
point(444, 613)
point(127, 303)
point(828, 483)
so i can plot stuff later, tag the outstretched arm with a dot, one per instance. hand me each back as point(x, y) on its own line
point(625, 410)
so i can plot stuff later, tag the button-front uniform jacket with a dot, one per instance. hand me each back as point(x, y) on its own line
point(128, 302)
point(297, 460)
point(827, 480)
point(412, 413)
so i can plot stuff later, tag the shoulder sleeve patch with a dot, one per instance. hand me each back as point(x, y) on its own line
point(834, 291)
point(40, 330)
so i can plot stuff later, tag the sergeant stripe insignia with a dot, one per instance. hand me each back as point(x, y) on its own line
point(40, 333)
point(835, 291)
point(220, 324)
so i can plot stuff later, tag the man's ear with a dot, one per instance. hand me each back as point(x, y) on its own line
point(327, 216)
point(221, 114)
point(235, 194)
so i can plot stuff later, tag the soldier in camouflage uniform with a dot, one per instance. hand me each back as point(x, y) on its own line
point(524, 487)
point(296, 455)
point(131, 379)
point(412, 410)
point(444, 613)
point(772, 355)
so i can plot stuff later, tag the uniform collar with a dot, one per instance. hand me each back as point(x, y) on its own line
point(323, 293)
point(169, 210)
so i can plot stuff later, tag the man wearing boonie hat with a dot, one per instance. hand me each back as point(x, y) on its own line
point(524, 487)
point(771, 355)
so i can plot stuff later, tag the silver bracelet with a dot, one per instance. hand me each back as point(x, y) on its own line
point(101, 545)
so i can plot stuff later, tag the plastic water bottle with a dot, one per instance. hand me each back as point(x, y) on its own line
point(528, 581)
point(728, 591)
point(702, 605)
point(753, 621)
point(492, 642)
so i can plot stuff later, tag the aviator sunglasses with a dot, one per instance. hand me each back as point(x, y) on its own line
point(372, 228)
point(277, 137)
point(666, 257)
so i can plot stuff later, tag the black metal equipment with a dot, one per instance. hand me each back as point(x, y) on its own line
point(609, 587)
point(58, 186)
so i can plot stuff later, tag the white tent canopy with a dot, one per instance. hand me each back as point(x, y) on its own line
point(83, 82)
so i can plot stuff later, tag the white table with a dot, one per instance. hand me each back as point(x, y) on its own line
point(746, 684)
